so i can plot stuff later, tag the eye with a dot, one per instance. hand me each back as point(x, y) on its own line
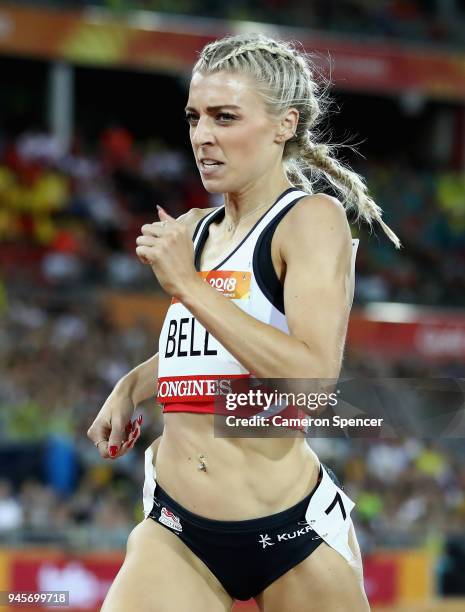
point(226, 117)
point(191, 118)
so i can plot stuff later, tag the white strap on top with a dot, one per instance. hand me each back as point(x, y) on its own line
point(269, 215)
point(275, 209)
point(290, 197)
point(203, 223)
point(355, 243)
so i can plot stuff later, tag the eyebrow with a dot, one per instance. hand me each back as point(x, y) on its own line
point(213, 109)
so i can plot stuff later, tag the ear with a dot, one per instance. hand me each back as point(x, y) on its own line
point(287, 125)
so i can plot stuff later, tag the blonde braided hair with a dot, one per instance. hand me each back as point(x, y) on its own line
point(285, 78)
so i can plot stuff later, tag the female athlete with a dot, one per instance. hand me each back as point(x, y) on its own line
point(225, 517)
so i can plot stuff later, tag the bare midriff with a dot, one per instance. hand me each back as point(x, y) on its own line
point(231, 479)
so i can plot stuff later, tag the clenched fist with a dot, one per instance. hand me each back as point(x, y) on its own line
point(167, 248)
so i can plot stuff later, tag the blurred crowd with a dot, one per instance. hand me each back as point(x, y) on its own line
point(59, 360)
point(441, 21)
point(427, 210)
point(58, 363)
point(70, 219)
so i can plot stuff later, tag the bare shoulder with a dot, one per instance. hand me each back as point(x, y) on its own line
point(192, 217)
point(316, 219)
point(319, 207)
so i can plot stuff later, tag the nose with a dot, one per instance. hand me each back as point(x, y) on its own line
point(202, 133)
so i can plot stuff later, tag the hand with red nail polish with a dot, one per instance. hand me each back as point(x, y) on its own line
point(132, 437)
point(115, 426)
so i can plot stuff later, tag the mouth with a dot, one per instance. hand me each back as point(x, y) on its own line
point(209, 166)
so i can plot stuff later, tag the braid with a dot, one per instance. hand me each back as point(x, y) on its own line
point(349, 183)
point(259, 43)
point(284, 77)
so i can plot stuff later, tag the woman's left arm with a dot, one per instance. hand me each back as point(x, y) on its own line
point(316, 249)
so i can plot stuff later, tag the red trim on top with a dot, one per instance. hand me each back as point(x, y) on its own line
point(209, 407)
point(199, 407)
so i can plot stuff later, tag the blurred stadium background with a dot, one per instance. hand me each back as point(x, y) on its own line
point(92, 136)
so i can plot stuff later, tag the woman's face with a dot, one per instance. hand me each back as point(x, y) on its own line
point(233, 137)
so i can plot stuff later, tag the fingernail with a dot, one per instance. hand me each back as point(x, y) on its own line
point(131, 443)
point(139, 419)
point(113, 450)
point(129, 427)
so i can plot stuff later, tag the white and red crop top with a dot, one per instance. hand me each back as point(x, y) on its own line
point(193, 367)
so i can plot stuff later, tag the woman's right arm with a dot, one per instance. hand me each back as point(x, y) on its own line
point(112, 426)
point(140, 383)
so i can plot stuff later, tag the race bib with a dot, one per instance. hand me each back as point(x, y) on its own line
point(328, 514)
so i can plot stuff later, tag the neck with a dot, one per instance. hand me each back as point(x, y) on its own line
point(253, 197)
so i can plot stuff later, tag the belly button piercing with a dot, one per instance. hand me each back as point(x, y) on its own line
point(202, 467)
